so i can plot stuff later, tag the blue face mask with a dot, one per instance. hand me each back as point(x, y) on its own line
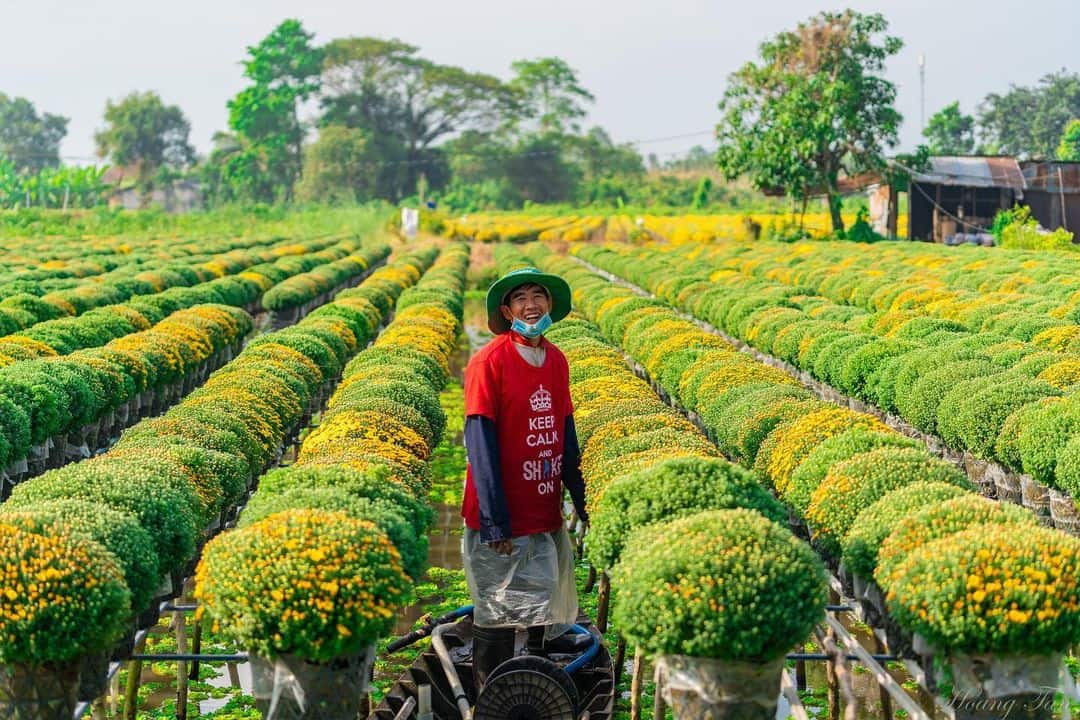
point(531, 331)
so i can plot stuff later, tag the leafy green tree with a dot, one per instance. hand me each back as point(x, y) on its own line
point(814, 107)
point(284, 70)
point(1029, 121)
point(550, 93)
point(1069, 147)
point(599, 156)
point(31, 141)
point(409, 102)
point(337, 167)
point(950, 132)
point(142, 131)
point(539, 171)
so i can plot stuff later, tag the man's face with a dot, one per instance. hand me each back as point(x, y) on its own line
point(527, 303)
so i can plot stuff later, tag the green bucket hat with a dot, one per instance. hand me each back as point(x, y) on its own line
point(555, 285)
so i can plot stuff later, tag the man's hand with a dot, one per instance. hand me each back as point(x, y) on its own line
point(503, 547)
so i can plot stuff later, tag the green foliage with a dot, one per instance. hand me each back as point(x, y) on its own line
point(854, 484)
point(384, 514)
point(1069, 147)
point(52, 187)
point(344, 573)
point(1000, 589)
point(861, 543)
point(668, 600)
point(1029, 121)
point(64, 598)
point(941, 520)
point(170, 513)
point(1046, 429)
point(262, 160)
point(29, 141)
point(972, 413)
point(666, 491)
point(814, 105)
point(118, 532)
point(812, 471)
point(950, 132)
point(861, 230)
point(338, 167)
point(550, 93)
point(701, 193)
point(406, 104)
point(143, 132)
point(1017, 229)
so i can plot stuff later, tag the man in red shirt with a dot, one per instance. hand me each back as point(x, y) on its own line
point(522, 449)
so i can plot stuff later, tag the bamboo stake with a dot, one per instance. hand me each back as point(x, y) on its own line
point(886, 699)
point(180, 622)
point(620, 658)
point(590, 583)
point(134, 679)
point(635, 684)
point(602, 601)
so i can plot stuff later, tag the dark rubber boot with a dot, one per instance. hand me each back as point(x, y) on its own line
point(491, 648)
point(534, 642)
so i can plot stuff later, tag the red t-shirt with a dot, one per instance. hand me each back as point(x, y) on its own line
point(529, 406)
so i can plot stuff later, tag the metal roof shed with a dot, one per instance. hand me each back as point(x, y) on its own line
point(1053, 194)
point(961, 194)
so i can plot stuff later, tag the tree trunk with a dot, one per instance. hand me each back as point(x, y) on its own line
point(835, 203)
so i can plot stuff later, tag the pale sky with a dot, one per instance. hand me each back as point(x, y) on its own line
point(657, 69)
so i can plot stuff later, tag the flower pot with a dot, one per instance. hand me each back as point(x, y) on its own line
point(1036, 497)
point(93, 676)
point(982, 473)
point(38, 692)
point(290, 688)
point(709, 689)
point(993, 687)
point(1008, 487)
point(872, 600)
point(1063, 512)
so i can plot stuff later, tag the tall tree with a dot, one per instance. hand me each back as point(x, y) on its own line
point(1069, 147)
point(950, 132)
point(1028, 121)
point(538, 171)
point(284, 71)
point(29, 140)
point(598, 155)
point(142, 131)
point(551, 93)
point(337, 167)
point(814, 107)
point(410, 102)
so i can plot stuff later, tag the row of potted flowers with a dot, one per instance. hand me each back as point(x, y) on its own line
point(145, 270)
point(980, 584)
point(707, 579)
point(980, 396)
point(935, 280)
point(86, 546)
point(328, 548)
point(87, 395)
point(299, 289)
point(243, 289)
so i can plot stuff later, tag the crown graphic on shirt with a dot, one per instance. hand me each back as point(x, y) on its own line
point(540, 401)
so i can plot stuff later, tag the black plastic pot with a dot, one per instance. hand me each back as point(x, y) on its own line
point(38, 692)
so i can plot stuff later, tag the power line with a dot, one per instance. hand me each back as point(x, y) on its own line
point(478, 155)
